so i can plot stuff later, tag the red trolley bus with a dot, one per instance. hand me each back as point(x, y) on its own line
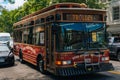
point(64, 39)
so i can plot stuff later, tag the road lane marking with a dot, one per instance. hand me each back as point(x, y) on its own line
point(114, 72)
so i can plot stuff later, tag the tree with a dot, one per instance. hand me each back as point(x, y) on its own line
point(6, 21)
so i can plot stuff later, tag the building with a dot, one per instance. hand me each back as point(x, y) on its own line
point(114, 18)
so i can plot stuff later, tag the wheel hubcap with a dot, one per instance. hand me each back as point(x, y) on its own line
point(21, 60)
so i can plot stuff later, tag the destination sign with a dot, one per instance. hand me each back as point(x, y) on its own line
point(82, 17)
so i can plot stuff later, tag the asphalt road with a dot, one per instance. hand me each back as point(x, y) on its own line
point(28, 72)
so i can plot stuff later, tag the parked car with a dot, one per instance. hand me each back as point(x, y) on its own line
point(6, 55)
point(114, 47)
point(6, 38)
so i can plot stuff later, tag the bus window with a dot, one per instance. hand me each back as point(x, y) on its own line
point(31, 23)
point(19, 36)
point(68, 39)
point(39, 35)
point(37, 21)
point(42, 20)
point(41, 38)
point(71, 38)
point(37, 38)
point(30, 35)
point(58, 17)
point(67, 16)
point(25, 36)
point(34, 38)
point(50, 18)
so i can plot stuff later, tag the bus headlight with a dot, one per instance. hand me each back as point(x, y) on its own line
point(66, 62)
point(63, 62)
point(105, 58)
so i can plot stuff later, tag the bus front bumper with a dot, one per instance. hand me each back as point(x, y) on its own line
point(81, 69)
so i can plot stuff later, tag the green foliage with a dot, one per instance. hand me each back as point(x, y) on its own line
point(6, 21)
point(89, 3)
point(76, 1)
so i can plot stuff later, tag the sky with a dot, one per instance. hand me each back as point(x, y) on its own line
point(9, 6)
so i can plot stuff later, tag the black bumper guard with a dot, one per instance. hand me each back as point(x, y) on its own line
point(81, 69)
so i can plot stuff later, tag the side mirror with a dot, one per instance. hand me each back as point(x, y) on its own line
point(8, 43)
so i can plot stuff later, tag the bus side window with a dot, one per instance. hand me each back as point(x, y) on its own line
point(58, 17)
point(50, 18)
point(42, 38)
point(30, 36)
point(25, 38)
point(37, 38)
point(38, 35)
point(19, 36)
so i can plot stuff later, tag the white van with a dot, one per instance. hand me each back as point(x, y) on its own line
point(5, 38)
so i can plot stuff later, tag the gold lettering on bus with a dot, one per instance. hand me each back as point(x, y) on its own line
point(86, 17)
point(76, 57)
point(82, 17)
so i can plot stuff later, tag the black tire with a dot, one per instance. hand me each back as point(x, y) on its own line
point(118, 56)
point(12, 63)
point(41, 66)
point(21, 57)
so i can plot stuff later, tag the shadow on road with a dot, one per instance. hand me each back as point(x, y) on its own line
point(95, 76)
point(7, 66)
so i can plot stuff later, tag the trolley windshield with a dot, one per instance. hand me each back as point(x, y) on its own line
point(75, 36)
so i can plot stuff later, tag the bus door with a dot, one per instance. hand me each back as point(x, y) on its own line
point(49, 47)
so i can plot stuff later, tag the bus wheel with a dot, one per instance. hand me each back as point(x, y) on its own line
point(41, 66)
point(118, 56)
point(21, 57)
